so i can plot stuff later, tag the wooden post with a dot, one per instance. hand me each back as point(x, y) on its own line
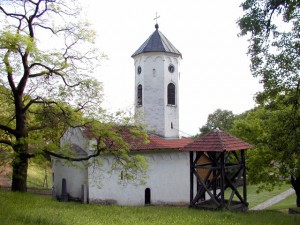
point(222, 179)
point(191, 177)
point(244, 177)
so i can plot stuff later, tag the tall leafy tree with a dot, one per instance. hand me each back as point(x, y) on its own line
point(47, 55)
point(222, 119)
point(273, 27)
point(46, 58)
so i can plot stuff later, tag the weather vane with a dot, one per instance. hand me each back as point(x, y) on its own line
point(156, 17)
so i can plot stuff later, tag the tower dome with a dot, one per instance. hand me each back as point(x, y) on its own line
point(157, 42)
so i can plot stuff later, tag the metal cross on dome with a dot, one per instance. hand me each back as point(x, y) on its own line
point(156, 17)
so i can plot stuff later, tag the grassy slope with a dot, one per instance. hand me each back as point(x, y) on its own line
point(255, 198)
point(284, 205)
point(19, 208)
point(38, 176)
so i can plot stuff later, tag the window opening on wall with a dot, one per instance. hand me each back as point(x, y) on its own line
point(171, 68)
point(147, 196)
point(171, 94)
point(140, 95)
point(171, 125)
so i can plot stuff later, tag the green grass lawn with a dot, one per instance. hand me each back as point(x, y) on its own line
point(17, 208)
point(39, 176)
point(284, 205)
point(255, 198)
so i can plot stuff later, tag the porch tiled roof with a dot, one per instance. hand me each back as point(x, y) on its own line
point(217, 141)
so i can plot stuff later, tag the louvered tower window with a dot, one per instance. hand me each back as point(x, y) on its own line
point(171, 94)
point(140, 95)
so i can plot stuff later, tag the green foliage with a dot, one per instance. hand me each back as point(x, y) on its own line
point(273, 28)
point(221, 119)
point(274, 157)
point(28, 209)
point(47, 56)
point(114, 137)
point(16, 41)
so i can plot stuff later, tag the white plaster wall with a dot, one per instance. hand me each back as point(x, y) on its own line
point(75, 174)
point(154, 93)
point(74, 136)
point(168, 180)
point(172, 112)
point(155, 78)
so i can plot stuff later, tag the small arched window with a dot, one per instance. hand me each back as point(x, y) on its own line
point(140, 95)
point(147, 196)
point(171, 94)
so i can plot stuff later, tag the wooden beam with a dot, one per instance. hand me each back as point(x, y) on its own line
point(191, 177)
point(244, 177)
point(222, 179)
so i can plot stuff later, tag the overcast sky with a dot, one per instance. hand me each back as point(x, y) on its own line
point(214, 70)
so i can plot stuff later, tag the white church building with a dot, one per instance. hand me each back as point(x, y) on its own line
point(156, 64)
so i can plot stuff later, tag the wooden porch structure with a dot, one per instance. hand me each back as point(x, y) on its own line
point(217, 169)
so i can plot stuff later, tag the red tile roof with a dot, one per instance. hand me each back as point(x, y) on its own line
point(217, 141)
point(138, 143)
point(157, 143)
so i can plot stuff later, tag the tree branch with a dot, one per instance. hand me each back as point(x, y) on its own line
point(29, 104)
point(49, 28)
point(60, 156)
point(50, 72)
point(36, 101)
point(9, 71)
point(8, 129)
point(97, 153)
point(23, 81)
point(36, 128)
point(3, 141)
point(14, 15)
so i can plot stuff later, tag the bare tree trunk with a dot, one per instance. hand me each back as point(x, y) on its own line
point(19, 178)
point(296, 186)
point(20, 161)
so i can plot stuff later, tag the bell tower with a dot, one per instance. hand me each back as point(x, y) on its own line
point(156, 65)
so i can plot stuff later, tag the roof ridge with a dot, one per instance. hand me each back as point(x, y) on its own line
point(220, 137)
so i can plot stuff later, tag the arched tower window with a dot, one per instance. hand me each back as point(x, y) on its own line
point(140, 95)
point(171, 94)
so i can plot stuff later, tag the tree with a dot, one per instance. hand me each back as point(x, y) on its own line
point(273, 26)
point(47, 56)
point(222, 119)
